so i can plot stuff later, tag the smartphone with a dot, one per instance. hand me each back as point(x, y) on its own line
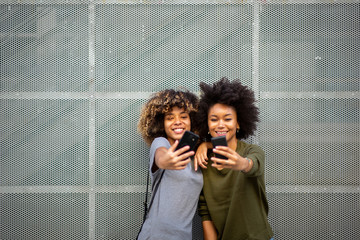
point(219, 141)
point(188, 139)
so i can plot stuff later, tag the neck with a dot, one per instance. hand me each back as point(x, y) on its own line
point(232, 144)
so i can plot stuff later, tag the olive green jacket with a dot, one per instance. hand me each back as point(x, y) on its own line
point(236, 201)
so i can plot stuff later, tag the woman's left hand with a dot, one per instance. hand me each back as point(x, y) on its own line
point(234, 160)
point(200, 158)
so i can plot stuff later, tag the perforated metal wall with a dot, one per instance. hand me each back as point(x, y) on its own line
point(75, 73)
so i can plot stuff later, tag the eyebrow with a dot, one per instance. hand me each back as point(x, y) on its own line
point(228, 114)
point(170, 113)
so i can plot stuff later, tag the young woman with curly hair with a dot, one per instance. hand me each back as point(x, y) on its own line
point(233, 202)
point(175, 183)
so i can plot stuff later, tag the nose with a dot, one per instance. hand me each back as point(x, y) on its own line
point(177, 120)
point(221, 123)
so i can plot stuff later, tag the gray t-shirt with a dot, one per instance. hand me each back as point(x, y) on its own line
point(175, 202)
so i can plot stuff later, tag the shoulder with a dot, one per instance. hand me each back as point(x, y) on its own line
point(250, 148)
point(160, 142)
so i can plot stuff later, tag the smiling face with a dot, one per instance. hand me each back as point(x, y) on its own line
point(176, 122)
point(222, 120)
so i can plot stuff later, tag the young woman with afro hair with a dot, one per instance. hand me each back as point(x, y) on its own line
point(233, 202)
point(176, 185)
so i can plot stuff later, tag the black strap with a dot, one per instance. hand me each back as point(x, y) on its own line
point(154, 190)
point(146, 195)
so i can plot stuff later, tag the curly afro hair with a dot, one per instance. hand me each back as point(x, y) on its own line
point(233, 94)
point(151, 122)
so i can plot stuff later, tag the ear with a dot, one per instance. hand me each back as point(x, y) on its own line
point(237, 126)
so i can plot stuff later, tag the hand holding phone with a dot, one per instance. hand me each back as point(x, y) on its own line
point(219, 141)
point(188, 139)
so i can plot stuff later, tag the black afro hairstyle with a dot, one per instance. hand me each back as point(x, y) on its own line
point(233, 94)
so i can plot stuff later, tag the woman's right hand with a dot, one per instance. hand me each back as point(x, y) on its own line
point(201, 158)
point(171, 159)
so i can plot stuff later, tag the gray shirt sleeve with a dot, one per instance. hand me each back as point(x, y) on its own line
point(158, 142)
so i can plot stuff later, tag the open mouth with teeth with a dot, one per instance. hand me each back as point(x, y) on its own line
point(221, 133)
point(178, 130)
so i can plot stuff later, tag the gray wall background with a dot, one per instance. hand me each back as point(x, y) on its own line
point(75, 73)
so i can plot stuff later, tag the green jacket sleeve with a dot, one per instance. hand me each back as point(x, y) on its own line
point(202, 208)
point(257, 155)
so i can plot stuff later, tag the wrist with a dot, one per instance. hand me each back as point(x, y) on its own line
point(249, 165)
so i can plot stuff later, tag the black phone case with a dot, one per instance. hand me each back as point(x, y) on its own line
point(219, 141)
point(188, 139)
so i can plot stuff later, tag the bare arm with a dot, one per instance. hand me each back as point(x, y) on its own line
point(209, 230)
point(170, 159)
